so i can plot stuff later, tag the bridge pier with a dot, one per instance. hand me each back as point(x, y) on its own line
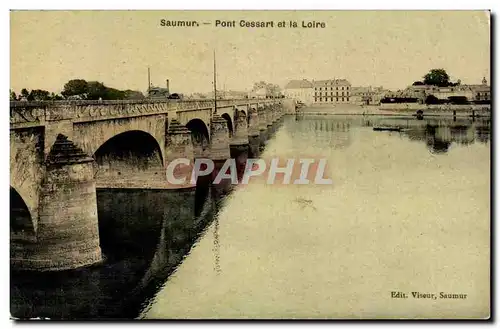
point(179, 145)
point(262, 128)
point(275, 119)
point(253, 133)
point(240, 137)
point(219, 153)
point(239, 146)
point(67, 234)
point(267, 114)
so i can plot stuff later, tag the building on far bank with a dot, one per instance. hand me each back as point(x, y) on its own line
point(361, 95)
point(481, 92)
point(336, 91)
point(475, 92)
point(300, 90)
point(367, 95)
point(259, 93)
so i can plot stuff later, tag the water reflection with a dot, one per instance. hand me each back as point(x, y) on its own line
point(262, 252)
point(331, 132)
point(437, 133)
point(335, 251)
point(144, 235)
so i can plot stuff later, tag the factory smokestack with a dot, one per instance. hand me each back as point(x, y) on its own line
point(168, 85)
point(149, 78)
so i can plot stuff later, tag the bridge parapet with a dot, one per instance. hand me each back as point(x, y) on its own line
point(38, 113)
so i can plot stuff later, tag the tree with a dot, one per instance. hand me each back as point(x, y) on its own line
point(13, 96)
point(437, 77)
point(259, 85)
point(55, 97)
point(39, 95)
point(271, 89)
point(75, 87)
point(24, 94)
point(112, 93)
point(96, 90)
point(418, 83)
point(133, 94)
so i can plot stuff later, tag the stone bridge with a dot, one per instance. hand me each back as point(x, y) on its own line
point(60, 152)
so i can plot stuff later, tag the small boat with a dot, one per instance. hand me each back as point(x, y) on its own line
point(387, 128)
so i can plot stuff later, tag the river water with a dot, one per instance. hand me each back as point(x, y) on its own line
point(407, 211)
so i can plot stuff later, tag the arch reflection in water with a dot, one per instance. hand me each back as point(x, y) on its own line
point(144, 235)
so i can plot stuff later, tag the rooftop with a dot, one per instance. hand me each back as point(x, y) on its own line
point(297, 84)
point(338, 82)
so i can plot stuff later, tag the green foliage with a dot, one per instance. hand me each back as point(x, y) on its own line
point(79, 89)
point(56, 97)
point(271, 89)
point(133, 94)
point(437, 77)
point(418, 83)
point(75, 87)
point(112, 93)
point(39, 95)
point(96, 90)
point(34, 95)
point(12, 95)
point(24, 93)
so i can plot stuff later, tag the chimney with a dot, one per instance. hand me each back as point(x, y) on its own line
point(149, 79)
point(168, 85)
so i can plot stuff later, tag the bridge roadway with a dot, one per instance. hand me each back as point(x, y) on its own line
point(60, 152)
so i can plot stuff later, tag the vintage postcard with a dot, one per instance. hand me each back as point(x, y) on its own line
point(250, 165)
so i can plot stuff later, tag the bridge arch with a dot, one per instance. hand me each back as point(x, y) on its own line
point(21, 220)
point(134, 150)
point(241, 120)
point(200, 134)
point(243, 114)
point(198, 128)
point(229, 122)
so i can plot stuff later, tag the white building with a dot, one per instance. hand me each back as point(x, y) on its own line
point(336, 91)
point(300, 90)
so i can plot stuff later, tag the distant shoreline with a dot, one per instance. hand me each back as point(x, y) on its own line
point(376, 111)
point(401, 114)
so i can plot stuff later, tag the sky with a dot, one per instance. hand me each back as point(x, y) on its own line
point(379, 48)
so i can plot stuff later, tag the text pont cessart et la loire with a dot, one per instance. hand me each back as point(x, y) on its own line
point(245, 24)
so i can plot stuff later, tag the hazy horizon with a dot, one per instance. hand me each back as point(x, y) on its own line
point(379, 48)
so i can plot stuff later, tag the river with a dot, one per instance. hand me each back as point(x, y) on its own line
point(407, 211)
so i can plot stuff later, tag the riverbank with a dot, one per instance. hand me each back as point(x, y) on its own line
point(350, 109)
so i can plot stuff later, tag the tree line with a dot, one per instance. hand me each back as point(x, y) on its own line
point(78, 89)
point(271, 89)
point(438, 78)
